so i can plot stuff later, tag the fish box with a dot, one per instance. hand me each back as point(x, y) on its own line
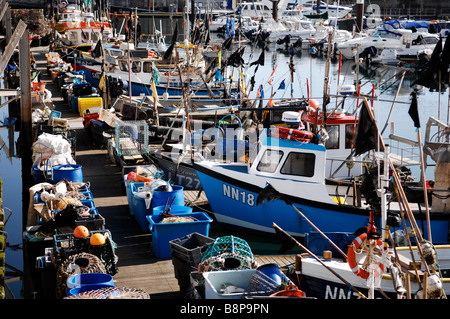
point(95, 221)
point(190, 248)
point(94, 104)
point(215, 281)
point(163, 233)
point(187, 252)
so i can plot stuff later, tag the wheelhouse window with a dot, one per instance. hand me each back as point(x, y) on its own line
point(269, 161)
point(332, 142)
point(136, 66)
point(148, 67)
point(123, 66)
point(299, 164)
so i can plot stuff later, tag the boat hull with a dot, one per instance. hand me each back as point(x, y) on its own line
point(183, 174)
point(93, 76)
point(234, 203)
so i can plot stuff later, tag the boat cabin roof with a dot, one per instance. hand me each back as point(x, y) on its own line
point(288, 159)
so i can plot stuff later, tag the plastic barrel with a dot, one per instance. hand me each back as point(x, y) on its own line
point(160, 197)
point(274, 273)
point(70, 172)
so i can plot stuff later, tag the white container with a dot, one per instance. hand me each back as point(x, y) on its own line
point(215, 279)
point(292, 118)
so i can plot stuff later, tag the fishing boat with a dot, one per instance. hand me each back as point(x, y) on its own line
point(81, 28)
point(333, 281)
point(285, 158)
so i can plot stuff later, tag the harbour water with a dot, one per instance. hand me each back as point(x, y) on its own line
point(307, 69)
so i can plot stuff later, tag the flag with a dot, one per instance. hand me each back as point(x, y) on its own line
point(227, 43)
point(97, 50)
point(154, 92)
point(260, 60)
point(101, 84)
point(235, 58)
point(282, 85)
point(445, 57)
point(432, 67)
point(218, 76)
point(242, 82)
point(413, 112)
point(169, 50)
point(269, 193)
point(367, 133)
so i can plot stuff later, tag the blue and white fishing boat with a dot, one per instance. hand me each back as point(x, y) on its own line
point(297, 169)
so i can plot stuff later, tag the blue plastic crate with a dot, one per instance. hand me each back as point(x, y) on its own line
point(163, 233)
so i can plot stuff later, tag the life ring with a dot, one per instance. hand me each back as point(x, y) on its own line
point(351, 258)
point(287, 133)
point(313, 105)
point(151, 54)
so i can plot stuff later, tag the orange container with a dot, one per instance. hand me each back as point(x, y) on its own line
point(38, 86)
point(140, 178)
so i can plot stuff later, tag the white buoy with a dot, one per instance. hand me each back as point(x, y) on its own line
point(45, 196)
point(434, 286)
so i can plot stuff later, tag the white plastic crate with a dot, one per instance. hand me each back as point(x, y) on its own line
point(214, 281)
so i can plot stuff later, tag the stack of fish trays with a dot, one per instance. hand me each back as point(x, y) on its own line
point(187, 252)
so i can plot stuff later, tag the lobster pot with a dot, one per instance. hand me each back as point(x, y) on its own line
point(71, 172)
point(131, 138)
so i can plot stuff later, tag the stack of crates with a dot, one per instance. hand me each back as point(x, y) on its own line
point(187, 252)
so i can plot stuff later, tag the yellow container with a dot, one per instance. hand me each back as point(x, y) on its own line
point(85, 103)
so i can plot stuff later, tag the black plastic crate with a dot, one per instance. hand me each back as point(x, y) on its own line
point(65, 245)
point(82, 89)
point(190, 248)
point(182, 272)
point(93, 222)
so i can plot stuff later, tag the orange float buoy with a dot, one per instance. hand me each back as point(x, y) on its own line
point(97, 239)
point(81, 232)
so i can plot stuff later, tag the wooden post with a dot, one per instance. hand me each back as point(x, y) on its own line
point(359, 15)
point(26, 136)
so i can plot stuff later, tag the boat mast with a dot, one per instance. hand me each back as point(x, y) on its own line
point(326, 93)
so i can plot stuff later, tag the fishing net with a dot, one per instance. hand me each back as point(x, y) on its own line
point(78, 263)
point(228, 244)
point(112, 293)
point(261, 285)
point(227, 253)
